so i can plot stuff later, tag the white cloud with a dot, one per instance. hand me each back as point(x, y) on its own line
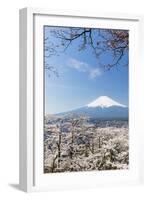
point(93, 73)
point(84, 67)
point(78, 65)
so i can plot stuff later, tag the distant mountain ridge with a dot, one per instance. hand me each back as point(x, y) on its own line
point(102, 108)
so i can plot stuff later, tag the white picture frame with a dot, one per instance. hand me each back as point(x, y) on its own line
point(31, 100)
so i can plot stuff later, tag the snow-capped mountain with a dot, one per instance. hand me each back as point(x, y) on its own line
point(104, 102)
point(102, 108)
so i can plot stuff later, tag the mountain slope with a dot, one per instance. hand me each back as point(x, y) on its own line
point(101, 108)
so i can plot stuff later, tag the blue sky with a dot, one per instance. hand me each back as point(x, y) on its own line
point(81, 79)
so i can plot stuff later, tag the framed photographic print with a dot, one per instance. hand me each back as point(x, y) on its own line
point(80, 80)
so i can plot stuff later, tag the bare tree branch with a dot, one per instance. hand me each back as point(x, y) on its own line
point(112, 42)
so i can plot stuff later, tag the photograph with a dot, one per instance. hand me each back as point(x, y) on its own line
point(86, 99)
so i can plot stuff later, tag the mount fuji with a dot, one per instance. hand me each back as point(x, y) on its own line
point(102, 108)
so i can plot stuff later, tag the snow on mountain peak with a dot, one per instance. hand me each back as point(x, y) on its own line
point(104, 102)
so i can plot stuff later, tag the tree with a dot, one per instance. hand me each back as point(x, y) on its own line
point(59, 144)
point(111, 42)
